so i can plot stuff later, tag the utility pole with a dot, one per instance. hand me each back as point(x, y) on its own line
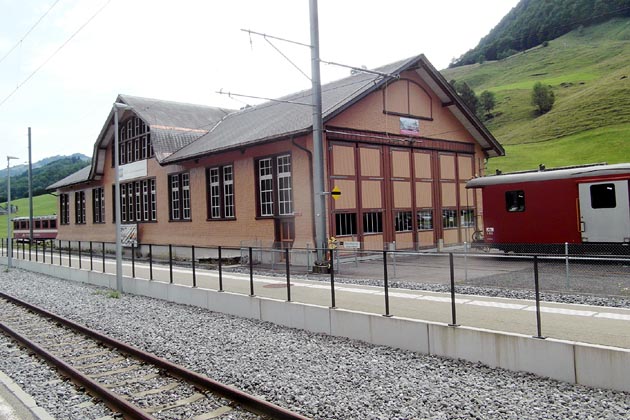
point(30, 190)
point(318, 148)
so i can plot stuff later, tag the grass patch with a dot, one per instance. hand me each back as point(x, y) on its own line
point(42, 205)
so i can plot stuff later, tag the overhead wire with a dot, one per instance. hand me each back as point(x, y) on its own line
point(29, 31)
point(54, 53)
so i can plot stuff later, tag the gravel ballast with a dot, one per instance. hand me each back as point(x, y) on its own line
point(320, 376)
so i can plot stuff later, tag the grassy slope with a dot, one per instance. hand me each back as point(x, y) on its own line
point(590, 121)
point(42, 205)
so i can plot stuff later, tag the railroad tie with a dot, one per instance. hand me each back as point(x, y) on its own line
point(214, 414)
point(178, 403)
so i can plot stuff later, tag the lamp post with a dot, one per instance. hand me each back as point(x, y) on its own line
point(119, 282)
point(9, 241)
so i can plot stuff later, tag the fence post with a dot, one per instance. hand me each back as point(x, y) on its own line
point(60, 252)
point(36, 253)
point(150, 262)
point(133, 261)
point(332, 280)
point(251, 273)
point(566, 263)
point(538, 326)
point(103, 250)
point(23, 251)
point(465, 262)
point(288, 273)
point(170, 262)
point(69, 253)
point(193, 266)
point(387, 314)
point(44, 251)
point(453, 311)
point(52, 247)
point(29, 250)
point(91, 257)
point(220, 270)
point(79, 255)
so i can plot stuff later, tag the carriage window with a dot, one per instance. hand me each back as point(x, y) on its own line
point(515, 201)
point(53, 224)
point(38, 224)
point(603, 196)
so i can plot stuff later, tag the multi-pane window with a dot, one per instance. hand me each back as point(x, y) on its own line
point(265, 182)
point(285, 200)
point(221, 192)
point(275, 189)
point(135, 141)
point(64, 208)
point(345, 224)
point(403, 221)
point(79, 207)
point(515, 201)
point(137, 201)
point(467, 217)
point(425, 219)
point(449, 219)
point(98, 205)
point(179, 192)
point(373, 222)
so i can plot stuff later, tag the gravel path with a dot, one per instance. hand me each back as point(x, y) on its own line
point(319, 376)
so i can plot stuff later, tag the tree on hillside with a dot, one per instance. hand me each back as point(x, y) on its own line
point(488, 102)
point(542, 97)
point(467, 94)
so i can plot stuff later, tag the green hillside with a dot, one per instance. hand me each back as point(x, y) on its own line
point(588, 70)
point(42, 205)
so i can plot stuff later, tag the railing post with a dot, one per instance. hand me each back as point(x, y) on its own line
point(133, 261)
point(29, 250)
point(288, 273)
point(385, 282)
point(465, 262)
point(251, 272)
point(566, 263)
point(60, 262)
point(23, 251)
point(69, 253)
point(150, 262)
point(220, 270)
point(52, 247)
point(36, 253)
point(44, 251)
point(170, 262)
point(453, 313)
point(536, 286)
point(103, 249)
point(332, 279)
point(91, 257)
point(80, 255)
point(193, 267)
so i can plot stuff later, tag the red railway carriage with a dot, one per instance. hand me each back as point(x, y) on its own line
point(585, 205)
point(44, 228)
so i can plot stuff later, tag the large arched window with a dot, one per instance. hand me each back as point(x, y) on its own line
point(135, 141)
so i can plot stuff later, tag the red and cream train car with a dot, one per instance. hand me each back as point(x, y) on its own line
point(586, 205)
point(44, 228)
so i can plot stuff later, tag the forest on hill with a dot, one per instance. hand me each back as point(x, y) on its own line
point(43, 176)
point(534, 22)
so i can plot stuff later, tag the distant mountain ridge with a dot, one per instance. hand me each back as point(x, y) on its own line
point(533, 22)
point(45, 172)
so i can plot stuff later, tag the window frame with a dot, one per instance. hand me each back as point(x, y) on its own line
point(420, 213)
point(64, 208)
point(128, 201)
point(220, 194)
point(179, 197)
point(450, 221)
point(79, 207)
point(274, 186)
point(372, 222)
point(346, 219)
point(98, 205)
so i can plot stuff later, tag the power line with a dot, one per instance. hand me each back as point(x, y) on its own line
point(29, 31)
point(55, 53)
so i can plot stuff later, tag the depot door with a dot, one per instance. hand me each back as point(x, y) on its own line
point(604, 211)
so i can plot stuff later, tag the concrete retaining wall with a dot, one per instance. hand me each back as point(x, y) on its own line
point(596, 366)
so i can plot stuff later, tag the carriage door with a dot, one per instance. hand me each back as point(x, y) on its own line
point(605, 212)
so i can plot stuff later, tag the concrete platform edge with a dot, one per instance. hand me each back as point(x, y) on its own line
point(23, 398)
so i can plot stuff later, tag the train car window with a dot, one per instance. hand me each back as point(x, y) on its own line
point(53, 224)
point(515, 201)
point(16, 225)
point(38, 224)
point(603, 196)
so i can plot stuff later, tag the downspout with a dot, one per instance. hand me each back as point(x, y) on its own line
point(310, 167)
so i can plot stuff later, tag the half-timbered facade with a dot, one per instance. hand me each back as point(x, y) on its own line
point(400, 147)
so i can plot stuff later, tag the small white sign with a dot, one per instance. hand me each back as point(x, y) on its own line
point(352, 244)
point(133, 170)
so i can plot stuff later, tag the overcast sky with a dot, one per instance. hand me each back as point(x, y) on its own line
point(187, 50)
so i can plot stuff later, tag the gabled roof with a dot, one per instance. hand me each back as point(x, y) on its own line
point(181, 132)
point(79, 177)
point(278, 119)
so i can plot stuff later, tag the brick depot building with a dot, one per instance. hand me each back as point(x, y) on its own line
point(400, 148)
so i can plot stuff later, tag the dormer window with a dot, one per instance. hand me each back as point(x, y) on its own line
point(134, 141)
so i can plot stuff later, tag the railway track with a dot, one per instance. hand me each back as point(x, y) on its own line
point(134, 383)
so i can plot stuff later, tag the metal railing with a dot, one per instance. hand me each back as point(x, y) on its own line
point(265, 271)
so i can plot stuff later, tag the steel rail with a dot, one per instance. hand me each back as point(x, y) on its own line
point(256, 405)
